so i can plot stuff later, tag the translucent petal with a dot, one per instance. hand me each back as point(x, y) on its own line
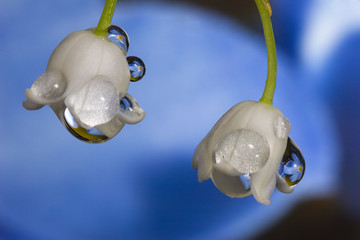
point(47, 89)
point(96, 103)
point(232, 186)
point(49, 85)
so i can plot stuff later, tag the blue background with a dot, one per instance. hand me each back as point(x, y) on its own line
point(140, 185)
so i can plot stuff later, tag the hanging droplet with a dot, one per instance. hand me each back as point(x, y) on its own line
point(292, 166)
point(92, 135)
point(137, 68)
point(245, 180)
point(118, 36)
point(125, 103)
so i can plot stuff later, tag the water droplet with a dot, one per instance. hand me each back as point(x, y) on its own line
point(137, 68)
point(125, 103)
point(50, 85)
point(292, 166)
point(118, 36)
point(92, 135)
point(245, 150)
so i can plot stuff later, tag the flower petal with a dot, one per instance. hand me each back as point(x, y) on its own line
point(110, 129)
point(263, 182)
point(203, 156)
point(202, 162)
point(282, 185)
point(262, 120)
point(47, 89)
point(30, 105)
point(131, 114)
point(263, 185)
point(232, 186)
point(96, 103)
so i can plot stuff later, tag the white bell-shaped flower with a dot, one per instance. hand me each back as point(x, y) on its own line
point(243, 151)
point(86, 83)
point(248, 151)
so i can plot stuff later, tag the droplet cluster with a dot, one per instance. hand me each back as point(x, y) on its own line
point(136, 66)
point(137, 70)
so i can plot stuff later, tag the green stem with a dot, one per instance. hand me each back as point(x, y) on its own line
point(270, 84)
point(106, 17)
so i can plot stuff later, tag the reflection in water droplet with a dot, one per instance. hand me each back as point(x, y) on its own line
point(125, 103)
point(245, 179)
point(137, 68)
point(292, 166)
point(92, 135)
point(118, 36)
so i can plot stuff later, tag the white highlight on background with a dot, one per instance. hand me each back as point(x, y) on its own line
point(328, 23)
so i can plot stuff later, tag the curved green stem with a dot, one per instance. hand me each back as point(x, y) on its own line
point(106, 17)
point(270, 84)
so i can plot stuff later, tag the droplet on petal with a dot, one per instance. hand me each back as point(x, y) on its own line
point(126, 104)
point(118, 36)
point(292, 165)
point(137, 68)
point(92, 135)
point(50, 85)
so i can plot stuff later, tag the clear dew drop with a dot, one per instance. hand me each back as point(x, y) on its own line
point(292, 166)
point(125, 104)
point(50, 85)
point(118, 36)
point(92, 135)
point(245, 150)
point(137, 68)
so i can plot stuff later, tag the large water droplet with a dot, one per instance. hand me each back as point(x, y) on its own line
point(118, 36)
point(245, 180)
point(92, 135)
point(292, 165)
point(245, 150)
point(137, 68)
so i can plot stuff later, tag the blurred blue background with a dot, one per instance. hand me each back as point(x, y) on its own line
point(202, 57)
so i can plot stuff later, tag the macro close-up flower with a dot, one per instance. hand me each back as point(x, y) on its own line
point(242, 152)
point(141, 184)
point(86, 83)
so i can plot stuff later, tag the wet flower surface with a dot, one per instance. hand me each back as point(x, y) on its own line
point(86, 82)
point(74, 177)
point(292, 166)
point(243, 151)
